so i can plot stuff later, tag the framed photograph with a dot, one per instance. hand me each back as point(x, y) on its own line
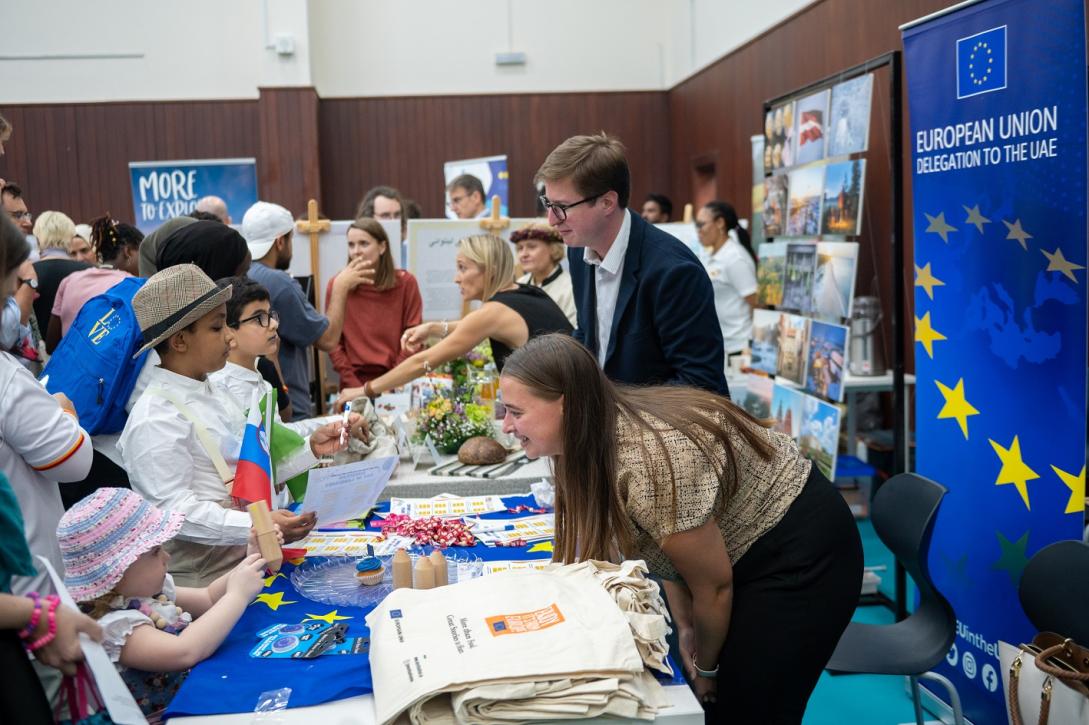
point(819, 435)
point(757, 402)
point(804, 202)
point(834, 280)
point(801, 264)
point(849, 117)
point(793, 347)
point(765, 341)
point(779, 137)
point(770, 272)
point(827, 360)
point(786, 410)
point(811, 117)
point(841, 205)
point(774, 205)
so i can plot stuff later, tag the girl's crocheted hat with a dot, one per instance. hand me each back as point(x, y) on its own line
point(102, 535)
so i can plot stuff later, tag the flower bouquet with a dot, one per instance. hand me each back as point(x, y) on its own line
point(449, 420)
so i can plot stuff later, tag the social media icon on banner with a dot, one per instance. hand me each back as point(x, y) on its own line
point(990, 678)
point(981, 62)
point(951, 658)
point(968, 664)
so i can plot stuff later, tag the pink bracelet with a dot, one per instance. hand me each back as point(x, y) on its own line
point(28, 631)
point(53, 600)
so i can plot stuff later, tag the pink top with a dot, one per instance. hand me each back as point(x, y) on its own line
point(78, 287)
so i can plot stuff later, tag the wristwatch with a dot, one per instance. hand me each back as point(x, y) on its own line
point(710, 674)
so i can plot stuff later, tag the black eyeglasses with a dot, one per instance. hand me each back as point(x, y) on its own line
point(31, 283)
point(560, 210)
point(262, 318)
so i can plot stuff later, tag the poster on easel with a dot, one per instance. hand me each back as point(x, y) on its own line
point(432, 258)
point(997, 101)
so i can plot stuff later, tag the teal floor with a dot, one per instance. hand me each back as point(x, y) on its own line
point(864, 699)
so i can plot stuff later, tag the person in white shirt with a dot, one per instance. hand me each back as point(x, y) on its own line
point(181, 443)
point(539, 250)
point(41, 441)
point(728, 256)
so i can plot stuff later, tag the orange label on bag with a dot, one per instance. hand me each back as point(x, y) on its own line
point(525, 622)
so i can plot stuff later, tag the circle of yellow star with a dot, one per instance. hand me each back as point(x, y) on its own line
point(1014, 231)
point(926, 334)
point(956, 405)
point(938, 225)
point(974, 217)
point(269, 579)
point(329, 617)
point(1076, 484)
point(272, 601)
point(1056, 262)
point(925, 279)
point(1014, 469)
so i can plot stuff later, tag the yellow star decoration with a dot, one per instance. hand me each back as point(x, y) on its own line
point(1056, 262)
point(1014, 469)
point(939, 226)
point(543, 546)
point(925, 279)
point(1076, 484)
point(1016, 232)
point(329, 617)
point(926, 334)
point(274, 577)
point(956, 405)
point(974, 217)
point(272, 601)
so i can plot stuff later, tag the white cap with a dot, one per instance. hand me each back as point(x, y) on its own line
point(263, 224)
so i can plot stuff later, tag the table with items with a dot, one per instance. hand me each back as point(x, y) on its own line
point(302, 647)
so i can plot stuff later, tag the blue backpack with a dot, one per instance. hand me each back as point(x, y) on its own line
point(93, 364)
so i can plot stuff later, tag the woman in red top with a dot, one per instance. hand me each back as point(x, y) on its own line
point(376, 315)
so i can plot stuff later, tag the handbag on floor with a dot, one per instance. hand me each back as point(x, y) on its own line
point(1046, 681)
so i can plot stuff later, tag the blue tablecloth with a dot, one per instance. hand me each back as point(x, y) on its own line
point(231, 681)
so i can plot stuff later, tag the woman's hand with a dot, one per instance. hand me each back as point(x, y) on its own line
point(248, 578)
point(64, 652)
point(346, 397)
point(686, 642)
point(326, 441)
point(415, 338)
point(706, 689)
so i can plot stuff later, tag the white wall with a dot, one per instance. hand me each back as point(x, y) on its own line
point(57, 51)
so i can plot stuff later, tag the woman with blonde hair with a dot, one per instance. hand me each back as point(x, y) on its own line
point(53, 230)
point(760, 555)
point(375, 316)
point(539, 249)
point(511, 315)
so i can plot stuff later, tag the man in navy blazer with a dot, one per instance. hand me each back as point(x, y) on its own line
point(645, 303)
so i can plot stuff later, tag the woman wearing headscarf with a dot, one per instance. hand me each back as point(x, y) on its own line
point(214, 247)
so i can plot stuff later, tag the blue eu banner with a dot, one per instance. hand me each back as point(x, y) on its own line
point(997, 100)
point(981, 62)
point(162, 190)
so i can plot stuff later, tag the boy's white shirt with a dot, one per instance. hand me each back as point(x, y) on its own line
point(239, 382)
point(169, 467)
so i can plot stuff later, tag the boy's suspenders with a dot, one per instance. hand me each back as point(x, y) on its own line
point(203, 435)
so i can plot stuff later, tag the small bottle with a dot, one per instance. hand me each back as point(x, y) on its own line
point(402, 570)
point(438, 563)
point(424, 574)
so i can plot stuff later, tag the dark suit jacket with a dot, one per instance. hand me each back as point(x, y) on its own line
point(665, 329)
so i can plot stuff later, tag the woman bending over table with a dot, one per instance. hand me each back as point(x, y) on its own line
point(511, 315)
point(760, 555)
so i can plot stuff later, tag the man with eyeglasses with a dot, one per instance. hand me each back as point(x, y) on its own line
point(645, 304)
point(467, 197)
point(11, 195)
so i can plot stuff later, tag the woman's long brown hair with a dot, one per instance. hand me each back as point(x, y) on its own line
point(591, 521)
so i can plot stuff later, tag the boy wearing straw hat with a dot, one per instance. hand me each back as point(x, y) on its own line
point(181, 443)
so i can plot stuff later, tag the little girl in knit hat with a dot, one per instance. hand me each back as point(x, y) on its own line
point(115, 567)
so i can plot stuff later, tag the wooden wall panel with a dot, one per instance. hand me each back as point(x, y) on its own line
point(716, 112)
point(74, 157)
point(403, 142)
point(287, 157)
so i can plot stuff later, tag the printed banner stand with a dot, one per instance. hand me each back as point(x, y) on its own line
point(162, 190)
point(492, 172)
point(997, 94)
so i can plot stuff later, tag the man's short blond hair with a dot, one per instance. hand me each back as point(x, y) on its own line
point(54, 230)
point(595, 165)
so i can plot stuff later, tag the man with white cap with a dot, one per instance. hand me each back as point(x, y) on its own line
point(268, 229)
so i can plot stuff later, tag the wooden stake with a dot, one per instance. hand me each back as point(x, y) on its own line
point(688, 213)
point(267, 540)
point(314, 226)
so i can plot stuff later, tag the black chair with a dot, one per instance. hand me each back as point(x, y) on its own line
point(903, 513)
point(1054, 590)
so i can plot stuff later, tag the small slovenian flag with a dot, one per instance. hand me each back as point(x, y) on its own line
point(253, 477)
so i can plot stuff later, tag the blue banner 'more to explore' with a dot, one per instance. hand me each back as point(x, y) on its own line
point(162, 190)
point(997, 101)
